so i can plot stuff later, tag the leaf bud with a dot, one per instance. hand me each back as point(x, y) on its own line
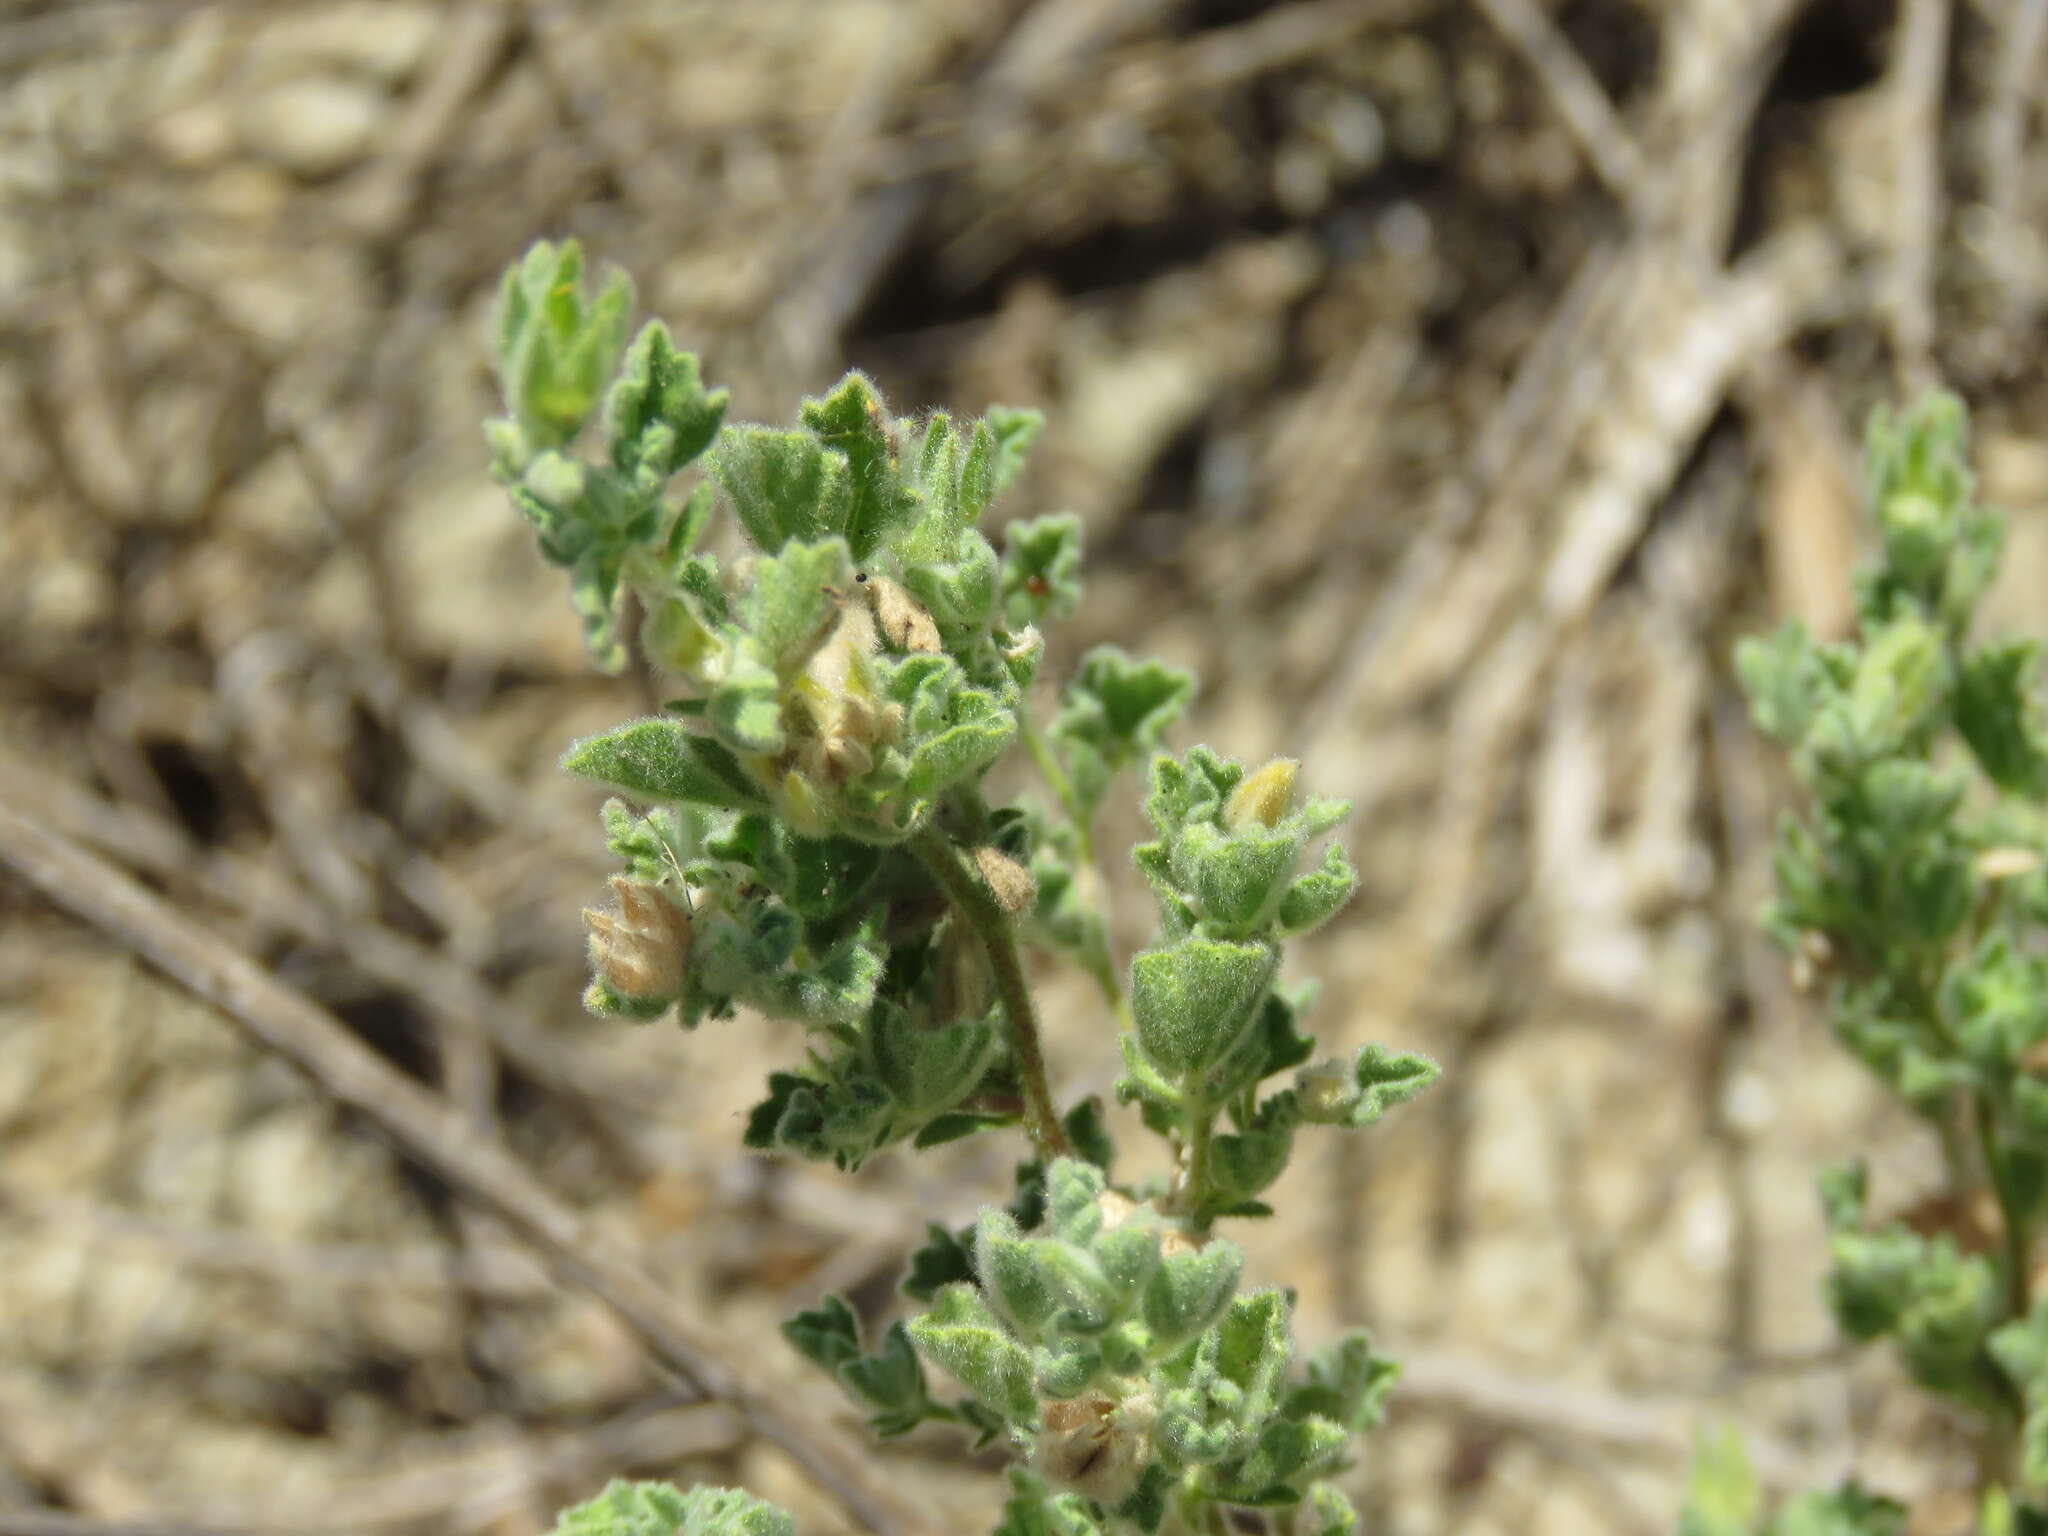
point(1023, 645)
point(1918, 530)
point(1008, 881)
point(1263, 797)
point(641, 952)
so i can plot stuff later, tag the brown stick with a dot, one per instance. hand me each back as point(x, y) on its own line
point(434, 1132)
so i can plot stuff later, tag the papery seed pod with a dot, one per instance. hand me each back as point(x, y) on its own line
point(641, 952)
point(2007, 863)
point(1812, 960)
point(1095, 1444)
point(1009, 881)
point(1116, 1209)
point(837, 667)
point(904, 622)
point(1973, 1220)
point(1264, 797)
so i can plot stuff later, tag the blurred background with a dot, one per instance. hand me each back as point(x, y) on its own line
point(1450, 381)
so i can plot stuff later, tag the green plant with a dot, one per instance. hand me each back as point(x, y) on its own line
point(811, 838)
point(1914, 888)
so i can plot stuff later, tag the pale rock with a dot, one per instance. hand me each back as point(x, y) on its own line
point(384, 39)
point(313, 127)
point(196, 137)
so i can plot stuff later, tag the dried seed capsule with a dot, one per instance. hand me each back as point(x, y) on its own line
point(1095, 1444)
point(1009, 881)
point(642, 951)
point(904, 622)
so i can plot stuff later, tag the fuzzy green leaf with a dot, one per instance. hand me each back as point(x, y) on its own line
point(854, 421)
point(1347, 1384)
point(661, 1509)
point(1319, 895)
point(1041, 576)
point(657, 415)
point(1015, 428)
point(928, 1072)
point(1784, 680)
point(1035, 1510)
point(1192, 1001)
point(1999, 718)
point(941, 1259)
point(1385, 1078)
point(827, 1335)
point(961, 1336)
point(1188, 1292)
point(662, 759)
point(793, 604)
point(783, 484)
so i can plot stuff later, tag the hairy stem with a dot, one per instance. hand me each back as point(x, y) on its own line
point(1100, 963)
point(978, 906)
point(1195, 1171)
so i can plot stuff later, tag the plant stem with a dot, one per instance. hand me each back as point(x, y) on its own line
point(978, 906)
point(1054, 775)
point(1100, 962)
point(1195, 1172)
point(2012, 1221)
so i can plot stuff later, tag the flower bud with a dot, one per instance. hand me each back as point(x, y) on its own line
point(1329, 1091)
point(1264, 796)
point(1919, 531)
point(641, 952)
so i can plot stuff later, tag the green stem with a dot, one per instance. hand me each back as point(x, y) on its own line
point(1054, 775)
point(2012, 1221)
point(1195, 1175)
point(1099, 962)
point(977, 905)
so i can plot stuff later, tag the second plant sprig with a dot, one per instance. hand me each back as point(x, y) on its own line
point(1914, 890)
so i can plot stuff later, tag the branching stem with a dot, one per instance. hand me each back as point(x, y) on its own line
point(977, 905)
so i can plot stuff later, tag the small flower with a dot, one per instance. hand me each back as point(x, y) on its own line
point(1263, 797)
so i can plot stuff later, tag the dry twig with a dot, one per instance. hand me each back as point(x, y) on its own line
point(1922, 33)
point(439, 1136)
